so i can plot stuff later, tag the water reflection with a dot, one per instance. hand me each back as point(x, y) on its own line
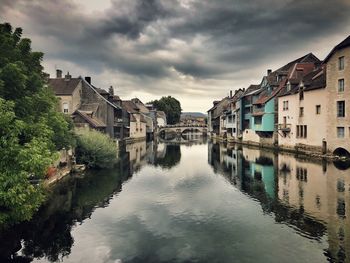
point(192, 202)
point(310, 196)
point(48, 234)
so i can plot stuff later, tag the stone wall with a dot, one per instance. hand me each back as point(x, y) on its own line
point(333, 75)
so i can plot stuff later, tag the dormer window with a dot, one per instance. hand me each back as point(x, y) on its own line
point(289, 86)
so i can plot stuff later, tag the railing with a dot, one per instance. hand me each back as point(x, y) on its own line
point(258, 110)
point(186, 125)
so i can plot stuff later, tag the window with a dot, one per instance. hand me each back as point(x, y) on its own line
point(318, 109)
point(301, 111)
point(340, 132)
point(341, 85)
point(341, 63)
point(65, 107)
point(301, 93)
point(258, 120)
point(301, 174)
point(341, 108)
point(301, 131)
point(298, 131)
point(285, 105)
point(305, 131)
point(289, 86)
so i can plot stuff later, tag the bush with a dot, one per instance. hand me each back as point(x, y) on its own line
point(95, 149)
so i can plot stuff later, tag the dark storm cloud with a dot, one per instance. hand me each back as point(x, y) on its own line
point(165, 40)
point(131, 22)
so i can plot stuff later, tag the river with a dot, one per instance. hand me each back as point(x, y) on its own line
point(192, 201)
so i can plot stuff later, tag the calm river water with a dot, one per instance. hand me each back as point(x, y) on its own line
point(192, 202)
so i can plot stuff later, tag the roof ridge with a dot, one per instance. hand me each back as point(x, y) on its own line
point(108, 102)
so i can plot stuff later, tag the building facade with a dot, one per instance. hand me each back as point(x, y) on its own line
point(338, 94)
point(303, 113)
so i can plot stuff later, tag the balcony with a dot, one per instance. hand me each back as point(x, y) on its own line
point(284, 127)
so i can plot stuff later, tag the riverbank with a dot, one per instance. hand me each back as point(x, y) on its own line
point(309, 152)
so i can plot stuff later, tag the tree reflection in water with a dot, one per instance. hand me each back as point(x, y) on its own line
point(171, 158)
point(48, 234)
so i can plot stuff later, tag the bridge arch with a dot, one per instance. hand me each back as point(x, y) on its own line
point(179, 129)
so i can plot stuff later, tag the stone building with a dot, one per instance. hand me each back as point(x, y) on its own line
point(137, 122)
point(216, 117)
point(88, 105)
point(338, 95)
point(151, 122)
point(302, 113)
point(68, 90)
point(265, 108)
point(231, 115)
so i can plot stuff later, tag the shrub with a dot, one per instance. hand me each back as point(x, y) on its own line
point(95, 149)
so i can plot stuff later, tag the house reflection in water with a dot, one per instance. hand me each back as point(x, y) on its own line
point(134, 156)
point(310, 196)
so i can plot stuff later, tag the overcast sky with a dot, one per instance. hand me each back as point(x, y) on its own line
point(194, 50)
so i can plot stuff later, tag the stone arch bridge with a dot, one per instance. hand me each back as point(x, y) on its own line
point(180, 129)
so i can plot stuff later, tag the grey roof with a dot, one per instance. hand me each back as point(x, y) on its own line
point(96, 91)
point(91, 120)
point(314, 80)
point(345, 43)
point(62, 86)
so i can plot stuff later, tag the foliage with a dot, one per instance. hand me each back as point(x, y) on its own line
point(95, 149)
point(31, 130)
point(170, 106)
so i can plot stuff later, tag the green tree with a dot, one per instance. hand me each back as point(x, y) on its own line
point(170, 106)
point(31, 130)
point(95, 149)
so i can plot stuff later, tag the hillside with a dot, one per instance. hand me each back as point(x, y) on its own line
point(193, 114)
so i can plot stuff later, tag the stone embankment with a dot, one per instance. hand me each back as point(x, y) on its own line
point(304, 151)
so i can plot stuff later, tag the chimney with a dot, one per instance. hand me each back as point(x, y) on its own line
point(230, 93)
point(88, 79)
point(111, 91)
point(58, 73)
point(67, 77)
point(269, 72)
